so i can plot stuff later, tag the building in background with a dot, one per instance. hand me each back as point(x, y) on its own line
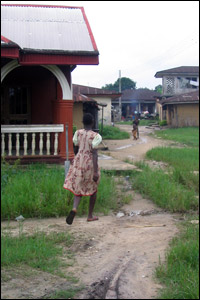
point(179, 102)
point(103, 99)
point(179, 80)
point(182, 110)
point(137, 101)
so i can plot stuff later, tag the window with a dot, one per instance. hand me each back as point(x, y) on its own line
point(188, 82)
point(15, 104)
point(170, 85)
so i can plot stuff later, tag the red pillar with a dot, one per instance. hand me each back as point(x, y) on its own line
point(63, 114)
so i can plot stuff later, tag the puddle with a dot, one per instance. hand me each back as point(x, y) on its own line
point(102, 156)
point(138, 142)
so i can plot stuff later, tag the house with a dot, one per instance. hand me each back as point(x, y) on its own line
point(41, 45)
point(182, 110)
point(103, 99)
point(179, 100)
point(83, 104)
point(139, 100)
point(179, 80)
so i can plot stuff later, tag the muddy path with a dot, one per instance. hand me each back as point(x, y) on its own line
point(135, 150)
point(114, 257)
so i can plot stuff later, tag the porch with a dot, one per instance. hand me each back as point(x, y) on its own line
point(31, 143)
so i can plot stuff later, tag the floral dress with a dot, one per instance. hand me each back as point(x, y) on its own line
point(79, 179)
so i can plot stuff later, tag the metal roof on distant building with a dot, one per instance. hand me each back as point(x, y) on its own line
point(77, 97)
point(140, 95)
point(184, 70)
point(92, 91)
point(46, 28)
point(192, 97)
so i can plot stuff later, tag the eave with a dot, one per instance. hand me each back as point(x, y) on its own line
point(181, 102)
point(26, 59)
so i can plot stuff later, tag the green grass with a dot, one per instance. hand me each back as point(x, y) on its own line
point(39, 251)
point(64, 294)
point(186, 135)
point(177, 157)
point(176, 191)
point(184, 162)
point(180, 274)
point(113, 133)
point(164, 190)
point(37, 191)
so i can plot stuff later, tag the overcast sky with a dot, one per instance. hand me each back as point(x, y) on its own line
point(137, 37)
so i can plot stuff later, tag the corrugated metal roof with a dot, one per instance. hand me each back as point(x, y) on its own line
point(82, 98)
point(140, 94)
point(92, 91)
point(192, 97)
point(42, 28)
point(188, 70)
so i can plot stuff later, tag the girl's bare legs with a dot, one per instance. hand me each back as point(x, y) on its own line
point(91, 205)
point(77, 200)
point(70, 217)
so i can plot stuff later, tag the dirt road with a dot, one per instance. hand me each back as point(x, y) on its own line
point(115, 257)
point(134, 150)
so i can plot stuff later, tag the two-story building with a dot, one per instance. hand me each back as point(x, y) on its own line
point(179, 80)
point(179, 102)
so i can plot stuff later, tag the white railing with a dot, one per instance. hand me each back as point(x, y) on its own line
point(22, 140)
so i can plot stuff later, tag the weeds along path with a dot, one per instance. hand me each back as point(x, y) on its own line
point(114, 257)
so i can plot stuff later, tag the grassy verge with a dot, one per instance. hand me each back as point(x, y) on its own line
point(188, 135)
point(176, 191)
point(26, 255)
point(64, 294)
point(180, 274)
point(184, 163)
point(184, 157)
point(39, 251)
point(37, 191)
point(113, 133)
point(164, 190)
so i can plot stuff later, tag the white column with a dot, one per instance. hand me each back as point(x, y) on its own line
point(33, 144)
point(41, 144)
point(56, 144)
point(10, 144)
point(25, 144)
point(48, 143)
point(17, 144)
point(2, 144)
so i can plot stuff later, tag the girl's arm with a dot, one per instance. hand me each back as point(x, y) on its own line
point(76, 149)
point(95, 164)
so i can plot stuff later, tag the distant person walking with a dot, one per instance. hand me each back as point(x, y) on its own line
point(84, 175)
point(135, 130)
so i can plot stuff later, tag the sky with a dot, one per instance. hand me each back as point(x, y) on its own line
point(138, 38)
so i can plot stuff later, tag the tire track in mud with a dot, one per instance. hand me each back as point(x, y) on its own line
point(108, 288)
point(126, 257)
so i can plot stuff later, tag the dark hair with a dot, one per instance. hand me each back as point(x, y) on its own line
point(88, 119)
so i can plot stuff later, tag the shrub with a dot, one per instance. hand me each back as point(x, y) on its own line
point(163, 123)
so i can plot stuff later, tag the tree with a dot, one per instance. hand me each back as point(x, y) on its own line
point(158, 89)
point(126, 84)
